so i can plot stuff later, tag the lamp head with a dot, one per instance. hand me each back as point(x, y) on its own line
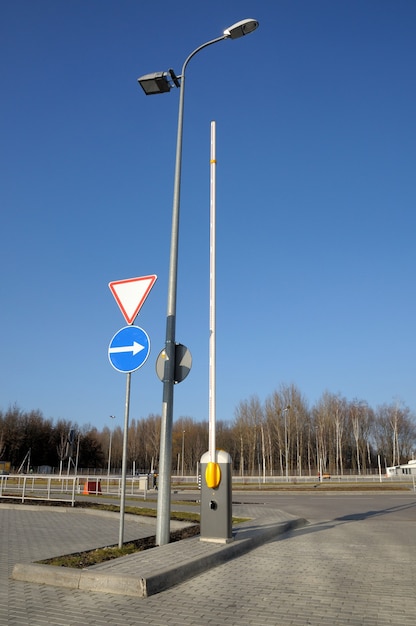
point(162, 82)
point(244, 27)
point(154, 83)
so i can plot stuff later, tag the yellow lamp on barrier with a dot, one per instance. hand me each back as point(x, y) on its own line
point(212, 475)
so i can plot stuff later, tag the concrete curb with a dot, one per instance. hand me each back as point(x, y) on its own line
point(47, 575)
point(247, 537)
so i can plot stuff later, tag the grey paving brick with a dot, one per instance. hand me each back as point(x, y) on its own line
point(360, 573)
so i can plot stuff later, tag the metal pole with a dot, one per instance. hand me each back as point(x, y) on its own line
point(212, 303)
point(109, 454)
point(183, 449)
point(109, 448)
point(286, 446)
point(124, 462)
point(77, 457)
point(286, 472)
point(165, 463)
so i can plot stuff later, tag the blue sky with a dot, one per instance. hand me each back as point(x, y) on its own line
point(316, 200)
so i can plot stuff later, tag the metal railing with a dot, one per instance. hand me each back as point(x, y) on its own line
point(66, 488)
point(32, 487)
point(40, 487)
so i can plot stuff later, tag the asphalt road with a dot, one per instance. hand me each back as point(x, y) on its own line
point(334, 506)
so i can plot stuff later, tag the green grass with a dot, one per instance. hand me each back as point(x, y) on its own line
point(180, 516)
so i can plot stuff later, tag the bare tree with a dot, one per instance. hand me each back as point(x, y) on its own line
point(273, 414)
point(248, 418)
point(356, 413)
point(394, 433)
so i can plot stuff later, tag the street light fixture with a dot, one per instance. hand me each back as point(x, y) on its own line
point(162, 82)
point(159, 82)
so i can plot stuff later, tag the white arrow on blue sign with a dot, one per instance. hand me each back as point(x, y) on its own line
point(129, 349)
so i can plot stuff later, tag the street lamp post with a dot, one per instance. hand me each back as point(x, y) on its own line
point(286, 444)
point(109, 449)
point(183, 449)
point(162, 82)
point(77, 456)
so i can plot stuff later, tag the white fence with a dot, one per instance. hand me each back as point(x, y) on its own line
point(66, 488)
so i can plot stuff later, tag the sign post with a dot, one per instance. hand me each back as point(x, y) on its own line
point(128, 351)
point(124, 463)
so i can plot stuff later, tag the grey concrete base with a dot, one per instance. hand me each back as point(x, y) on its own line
point(146, 573)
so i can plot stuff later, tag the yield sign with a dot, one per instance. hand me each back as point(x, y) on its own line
point(131, 293)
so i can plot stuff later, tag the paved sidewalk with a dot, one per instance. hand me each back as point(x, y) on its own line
point(145, 573)
point(351, 571)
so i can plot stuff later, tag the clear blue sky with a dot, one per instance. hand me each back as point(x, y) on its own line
point(316, 200)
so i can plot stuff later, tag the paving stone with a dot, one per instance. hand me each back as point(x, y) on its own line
point(356, 573)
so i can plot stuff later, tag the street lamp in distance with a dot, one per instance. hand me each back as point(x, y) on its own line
point(286, 443)
point(112, 417)
point(183, 450)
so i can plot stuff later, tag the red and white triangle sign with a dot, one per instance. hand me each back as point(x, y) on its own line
point(131, 293)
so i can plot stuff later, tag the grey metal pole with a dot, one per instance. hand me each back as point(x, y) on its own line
point(109, 454)
point(165, 459)
point(286, 445)
point(124, 462)
point(183, 451)
point(109, 449)
point(77, 456)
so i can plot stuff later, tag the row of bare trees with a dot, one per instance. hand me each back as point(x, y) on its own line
point(282, 436)
point(336, 435)
point(28, 440)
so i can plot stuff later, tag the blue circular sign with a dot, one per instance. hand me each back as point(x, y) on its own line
point(129, 349)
